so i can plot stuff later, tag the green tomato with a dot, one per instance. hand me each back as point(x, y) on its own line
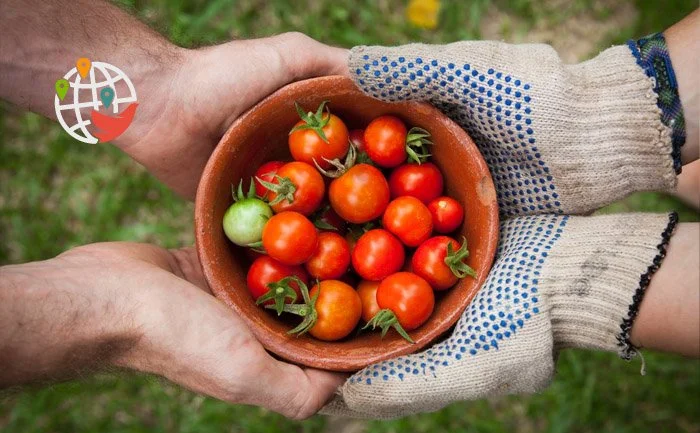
point(245, 219)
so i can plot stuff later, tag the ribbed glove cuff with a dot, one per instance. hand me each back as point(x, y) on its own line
point(597, 274)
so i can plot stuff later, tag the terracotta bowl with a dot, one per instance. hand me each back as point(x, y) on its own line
point(260, 135)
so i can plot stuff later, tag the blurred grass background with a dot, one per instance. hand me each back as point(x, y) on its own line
point(56, 193)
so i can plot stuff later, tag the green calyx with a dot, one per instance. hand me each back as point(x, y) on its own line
point(319, 222)
point(238, 194)
point(314, 121)
point(307, 310)
point(279, 292)
point(386, 319)
point(417, 142)
point(455, 260)
point(340, 167)
point(357, 230)
point(284, 189)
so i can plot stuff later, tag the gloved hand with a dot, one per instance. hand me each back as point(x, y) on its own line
point(558, 139)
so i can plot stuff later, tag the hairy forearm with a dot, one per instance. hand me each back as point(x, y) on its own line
point(55, 325)
point(40, 40)
point(669, 316)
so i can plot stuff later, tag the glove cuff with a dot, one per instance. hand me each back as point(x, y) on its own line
point(597, 276)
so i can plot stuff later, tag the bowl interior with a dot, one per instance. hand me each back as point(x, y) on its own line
point(260, 135)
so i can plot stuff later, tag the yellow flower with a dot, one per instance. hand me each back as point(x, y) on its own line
point(423, 13)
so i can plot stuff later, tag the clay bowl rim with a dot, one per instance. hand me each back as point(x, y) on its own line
point(280, 346)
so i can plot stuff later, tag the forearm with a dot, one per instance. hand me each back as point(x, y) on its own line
point(53, 326)
point(40, 40)
point(683, 41)
point(669, 315)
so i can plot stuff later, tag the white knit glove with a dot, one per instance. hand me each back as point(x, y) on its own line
point(558, 140)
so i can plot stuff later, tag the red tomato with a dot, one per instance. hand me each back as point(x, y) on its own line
point(385, 140)
point(447, 214)
point(423, 181)
point(339, 309)
point(429, 262)
point(377, 254)
point(408, 296)
point(306, 145)
point(368, 295)
point(290, 238)
point(409, 219)
point(267, 173)
point(299, 188)
point(266, 270)
point(357, 138)
point(360, 194)
point(331, 259)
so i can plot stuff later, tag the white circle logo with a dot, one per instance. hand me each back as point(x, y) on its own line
point(91, 89)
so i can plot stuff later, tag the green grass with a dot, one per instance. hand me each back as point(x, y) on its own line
point(56, 193)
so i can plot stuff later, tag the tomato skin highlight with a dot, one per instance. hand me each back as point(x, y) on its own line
point(408, 296)
point(385, 141)
point(267, 173)
point(339, 310)
point(409, 220)
point(290, 238)
point(377, 254)
point(265, 270)
point(306, 145)
point(367, 290)
point(447, 214)
point(359, 195)
point(309, 184)
point(428, 262)
point(331, 259)
point(424, 181)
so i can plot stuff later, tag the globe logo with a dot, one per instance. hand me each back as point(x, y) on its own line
point(89, 99)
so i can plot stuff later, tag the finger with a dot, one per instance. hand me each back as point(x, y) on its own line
point(292, 391)
point(303, 57)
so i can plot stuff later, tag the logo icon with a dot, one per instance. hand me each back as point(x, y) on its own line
point(99, 91)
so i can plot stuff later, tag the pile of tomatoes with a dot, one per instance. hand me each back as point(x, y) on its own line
point(382, 197)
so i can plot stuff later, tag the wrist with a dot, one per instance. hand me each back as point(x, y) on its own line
point(58, 322)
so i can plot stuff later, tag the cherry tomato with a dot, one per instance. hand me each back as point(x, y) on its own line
point(368, 295)
point(267, 173)
point(290, 238)
point(409, 219)
point(266, 270)
point(331, 258)
point(385, 141)
point(408, 296)
point(447, 214)
point(377, 254)
point(360, 194)
point(298, 187)
point(441, 270)
point(357, 138)
point(339, 309)
point(306, 144)
point(423, 181)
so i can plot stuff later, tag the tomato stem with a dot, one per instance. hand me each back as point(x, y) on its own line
point(307, 310)
point(314, 121)
point(341, 167)
point(455, 260)
point(386, 319)
point(237, 193)
point(279, 292)
point(284, 189)
point(417, 141)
